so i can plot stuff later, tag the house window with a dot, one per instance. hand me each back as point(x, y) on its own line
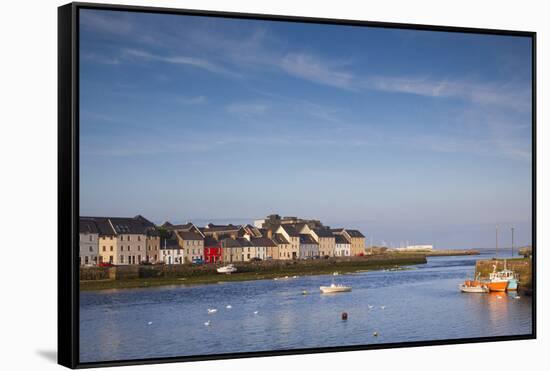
point(111, 248)
point(85, 260)
point(121, 259)
point(128, 238)
point(139, 258)
point(139, 248)
point(111, 259)
point(122, 238)
point(139, 238)
point(91, 238)
point(91, 249)
point(104, 249)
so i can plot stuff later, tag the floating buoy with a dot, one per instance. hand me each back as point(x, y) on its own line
point(344, 316)
point(375, 333)
point(304, 292)
point(228, 306)
point(211, 310)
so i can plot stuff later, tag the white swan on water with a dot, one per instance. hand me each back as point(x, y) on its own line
point(212, 310)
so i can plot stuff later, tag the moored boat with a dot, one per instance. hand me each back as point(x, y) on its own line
point(228, 269)
point(333, 288)
point(473, 286)
point(499, 281)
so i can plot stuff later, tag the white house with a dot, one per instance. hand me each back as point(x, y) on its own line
point(342, 246)
point(88, 242)
point(308, 246)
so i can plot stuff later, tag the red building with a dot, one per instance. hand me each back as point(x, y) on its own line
point(212, 250)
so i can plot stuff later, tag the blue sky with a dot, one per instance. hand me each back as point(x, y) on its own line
point(407, 135)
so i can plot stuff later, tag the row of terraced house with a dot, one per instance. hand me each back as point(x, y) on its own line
point(136, 240)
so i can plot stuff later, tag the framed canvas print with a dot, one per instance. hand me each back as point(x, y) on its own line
point(242, 185)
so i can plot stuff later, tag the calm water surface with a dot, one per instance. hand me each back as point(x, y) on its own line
point(419, 304)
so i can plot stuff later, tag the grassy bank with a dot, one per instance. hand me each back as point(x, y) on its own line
point(151, 276)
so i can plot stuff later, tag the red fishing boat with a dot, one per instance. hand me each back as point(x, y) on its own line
point(497, 282)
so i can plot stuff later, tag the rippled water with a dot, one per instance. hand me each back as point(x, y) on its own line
point(419, 304)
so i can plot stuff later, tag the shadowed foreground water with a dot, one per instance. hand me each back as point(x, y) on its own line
point(419, 304)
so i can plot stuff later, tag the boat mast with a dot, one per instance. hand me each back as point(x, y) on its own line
point(496, 240)
point(512, 242)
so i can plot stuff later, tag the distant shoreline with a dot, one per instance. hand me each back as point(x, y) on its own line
point(125, 277)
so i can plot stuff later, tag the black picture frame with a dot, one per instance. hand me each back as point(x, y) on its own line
point(68, 182)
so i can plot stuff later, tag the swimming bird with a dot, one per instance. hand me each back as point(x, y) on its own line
point(304, 292)
point(382, 307)
point(212, 310)
point(371, 306)
point(228, 306)
point(149, 323)
point(207, 323)
point(255, 312)
point(375, 333)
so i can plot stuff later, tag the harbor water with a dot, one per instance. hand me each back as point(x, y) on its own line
point(417, 304)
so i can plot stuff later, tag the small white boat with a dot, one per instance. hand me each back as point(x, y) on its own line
point(473, 288)
point(334, 289)
point(227, 269)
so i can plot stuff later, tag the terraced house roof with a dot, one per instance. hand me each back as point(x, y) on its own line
point(354, 233)
point(110, 226)
point(323, 232)
point(341, 239)
point(87, 226)
point(230, 243)
point(169, 244)
point(262, 242)
point(280, 239)
point(306, 239)
point(189, 236)
point(292, 232)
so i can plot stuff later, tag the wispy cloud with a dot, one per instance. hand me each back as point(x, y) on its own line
point(485, 93)
point(101, 59)
point(181, 59)
point(110, 23)
point(315, 69)
point(199, 99)
point(247, 108)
